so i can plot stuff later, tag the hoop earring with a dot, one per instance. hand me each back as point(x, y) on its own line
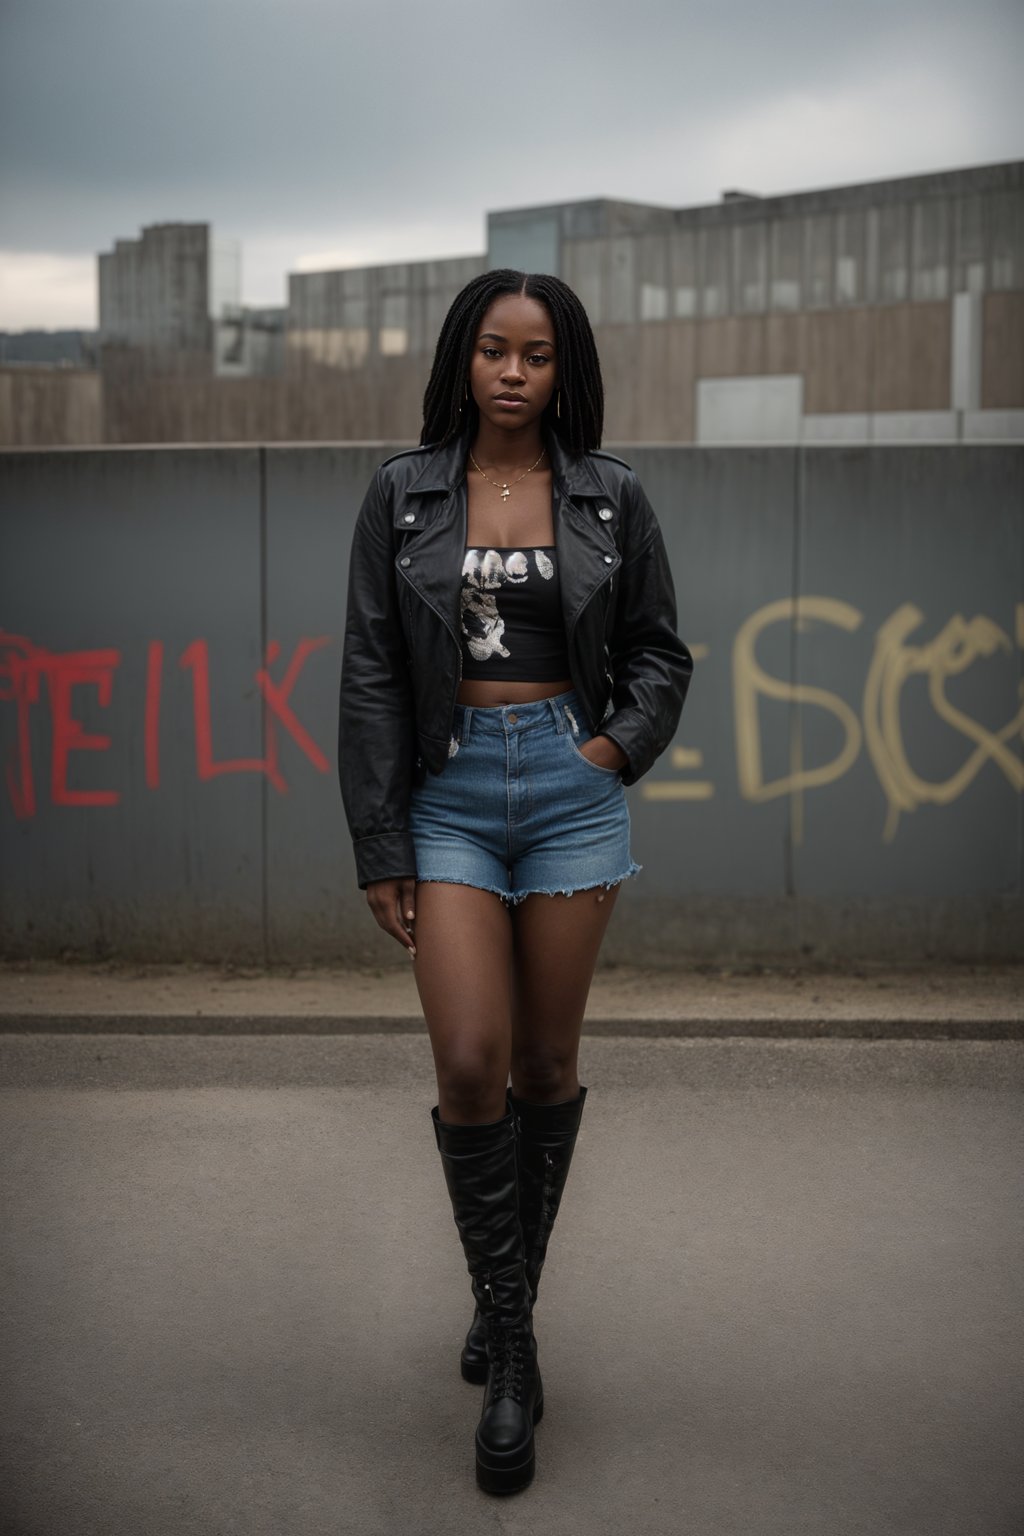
point(558, 405)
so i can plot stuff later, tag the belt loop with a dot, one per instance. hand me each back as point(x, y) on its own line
point(556, 710)
point(467, 715)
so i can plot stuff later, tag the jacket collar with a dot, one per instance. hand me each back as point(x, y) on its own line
point(573, 473)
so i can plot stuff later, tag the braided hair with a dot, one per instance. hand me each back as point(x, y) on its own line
point(580, 419)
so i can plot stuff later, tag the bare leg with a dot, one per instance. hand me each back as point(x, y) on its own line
point(556, 944)
point(463, 954)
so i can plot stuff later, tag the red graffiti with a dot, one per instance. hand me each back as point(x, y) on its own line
point(276, 695)
point(197, 658)
point(23, 665)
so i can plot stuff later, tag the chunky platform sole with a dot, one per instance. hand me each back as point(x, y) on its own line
point(474, 1371)
point(508, 1473)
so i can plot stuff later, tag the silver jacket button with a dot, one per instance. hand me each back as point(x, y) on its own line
point(608, 559)
point(410, 517)
point(405, 560)
point(605, 514)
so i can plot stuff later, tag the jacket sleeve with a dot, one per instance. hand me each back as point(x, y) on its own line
point(376, 718)
point(651, 667)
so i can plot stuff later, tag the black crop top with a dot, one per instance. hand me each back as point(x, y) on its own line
point(512, 624)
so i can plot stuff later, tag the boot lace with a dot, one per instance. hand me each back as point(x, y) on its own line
point(508, 1347)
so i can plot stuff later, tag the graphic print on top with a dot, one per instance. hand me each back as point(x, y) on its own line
point(484, 573)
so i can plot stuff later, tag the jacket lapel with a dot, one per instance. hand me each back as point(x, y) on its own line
point(588, 551)
point(436, 549)
point(436, 552)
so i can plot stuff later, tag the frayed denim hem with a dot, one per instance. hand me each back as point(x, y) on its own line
point(454, 880)
point(513, 898)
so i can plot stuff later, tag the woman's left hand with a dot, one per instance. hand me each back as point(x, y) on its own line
point(604, 752)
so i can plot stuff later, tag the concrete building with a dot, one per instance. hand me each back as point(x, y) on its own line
point(889, 310)
point(360, 343)
point(882, 311)
point(249, 341)
point(177, 344)
point(160, 293)
point(173, 298)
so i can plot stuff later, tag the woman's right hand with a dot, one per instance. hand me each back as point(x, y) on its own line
point(393, 904)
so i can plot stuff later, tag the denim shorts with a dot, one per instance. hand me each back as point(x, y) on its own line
point(518, 809)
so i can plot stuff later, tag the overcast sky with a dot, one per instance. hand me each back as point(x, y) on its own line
point(340, 132)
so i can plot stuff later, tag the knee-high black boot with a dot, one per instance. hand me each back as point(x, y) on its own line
point(473, 1360)
point(479, 1163)
point(546, 1139)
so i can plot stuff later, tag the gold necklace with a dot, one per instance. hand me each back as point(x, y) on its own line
point(504, 487)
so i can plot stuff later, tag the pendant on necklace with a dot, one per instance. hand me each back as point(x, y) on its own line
point(505, 493)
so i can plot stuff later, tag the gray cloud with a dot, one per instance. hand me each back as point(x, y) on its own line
point(389, 128)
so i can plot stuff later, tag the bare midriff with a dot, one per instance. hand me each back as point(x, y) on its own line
point(484, 694)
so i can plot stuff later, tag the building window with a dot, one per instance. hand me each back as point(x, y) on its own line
point(750, 266)
point(653, 302)
point(969, 230)
point(1006, 211)
point(929, 265)
point(583, 274)
point(682, 258)
point(622, 283)
point(713, 246)
point(348, 347)
point(892, 253)
point(652, 272)
point(785, 244)
point(393, 338)
point(849, 236)
point(818, 260)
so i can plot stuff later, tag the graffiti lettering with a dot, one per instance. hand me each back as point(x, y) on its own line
point(23, 665)
point(750, 680)
point(277, 694)
point(196, 657)
point(959, 643)
point(894, 661)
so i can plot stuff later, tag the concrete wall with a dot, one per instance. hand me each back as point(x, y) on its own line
point(847, 780)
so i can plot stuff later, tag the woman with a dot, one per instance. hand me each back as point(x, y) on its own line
point(510, 662)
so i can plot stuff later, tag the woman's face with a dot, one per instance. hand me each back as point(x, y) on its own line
point(514, 368)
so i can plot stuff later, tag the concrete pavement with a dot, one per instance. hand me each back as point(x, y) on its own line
point(780, 1001)
point(783, 1295)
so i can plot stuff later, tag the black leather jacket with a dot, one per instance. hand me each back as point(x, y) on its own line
point(402, 660)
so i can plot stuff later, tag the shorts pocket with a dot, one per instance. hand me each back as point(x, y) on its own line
point(613, 773)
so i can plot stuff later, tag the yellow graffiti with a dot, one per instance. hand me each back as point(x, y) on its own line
point(669, 789)
point(683, 758)
point(957, 645)
point(894, 661)
point(751, 681)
